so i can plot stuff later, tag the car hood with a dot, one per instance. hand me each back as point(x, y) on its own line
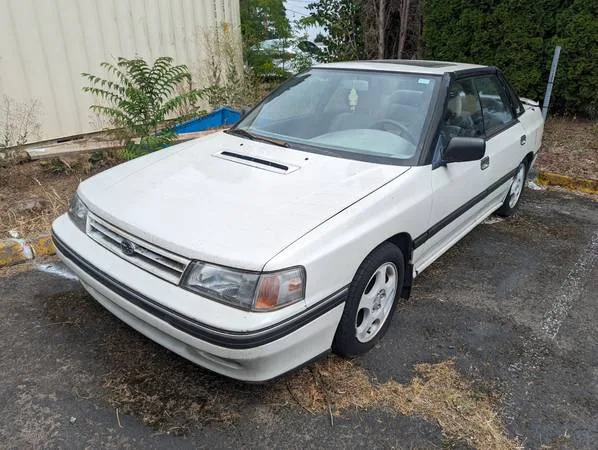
point(236, 211)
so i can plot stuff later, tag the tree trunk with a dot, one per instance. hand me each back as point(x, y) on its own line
point(381, 27)
point(404, 24)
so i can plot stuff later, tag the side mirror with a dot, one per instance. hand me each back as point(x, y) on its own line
point(462, 149)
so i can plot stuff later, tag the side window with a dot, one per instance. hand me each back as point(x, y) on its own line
point(518, 106)
point(463, 114)
point(496, 104)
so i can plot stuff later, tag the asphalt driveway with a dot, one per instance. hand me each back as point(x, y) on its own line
point(514, 305)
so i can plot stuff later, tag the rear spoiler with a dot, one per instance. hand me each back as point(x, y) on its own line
point(528, 102)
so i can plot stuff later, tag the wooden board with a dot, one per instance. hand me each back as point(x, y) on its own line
point(90, 145)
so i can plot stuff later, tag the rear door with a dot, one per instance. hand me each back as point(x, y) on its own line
point(506, 138)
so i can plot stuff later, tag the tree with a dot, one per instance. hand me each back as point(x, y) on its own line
point(343, 24)
point(364, 29)
point(263, 19)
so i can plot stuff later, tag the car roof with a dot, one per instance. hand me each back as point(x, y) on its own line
point(403, 65)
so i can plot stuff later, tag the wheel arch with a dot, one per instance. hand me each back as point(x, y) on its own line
point(528, 160)
point(405, 243)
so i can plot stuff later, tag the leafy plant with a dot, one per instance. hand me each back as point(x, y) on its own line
point(142, 99)
point(520, 37)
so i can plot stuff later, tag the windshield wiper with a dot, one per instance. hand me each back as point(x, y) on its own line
point(241, 132)
point(253, 137)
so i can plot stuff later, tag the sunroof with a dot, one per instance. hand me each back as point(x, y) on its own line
point(410, 62)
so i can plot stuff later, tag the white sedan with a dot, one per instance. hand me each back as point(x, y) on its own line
point(255, 250)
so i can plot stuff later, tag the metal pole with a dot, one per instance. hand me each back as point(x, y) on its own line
point(555, 63)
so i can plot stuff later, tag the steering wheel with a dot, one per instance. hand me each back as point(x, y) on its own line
point(404, 131)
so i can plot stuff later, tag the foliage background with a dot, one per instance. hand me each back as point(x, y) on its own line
point(262, 20)
point(519, 37)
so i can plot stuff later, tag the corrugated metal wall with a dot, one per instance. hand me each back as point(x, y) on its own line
point(46, 44)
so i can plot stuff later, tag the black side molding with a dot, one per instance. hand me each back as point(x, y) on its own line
point(421, 239)
point(207, 333)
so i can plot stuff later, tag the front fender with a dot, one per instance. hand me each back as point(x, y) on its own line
point(332, 252)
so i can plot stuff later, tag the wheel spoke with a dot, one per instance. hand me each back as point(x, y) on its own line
point(380, 279)
point(365, 325)
point(367, 300)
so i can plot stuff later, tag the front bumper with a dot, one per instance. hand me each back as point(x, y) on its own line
point(256, 355)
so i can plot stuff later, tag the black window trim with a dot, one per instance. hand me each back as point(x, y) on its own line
point(505, 126)
point(430, 137)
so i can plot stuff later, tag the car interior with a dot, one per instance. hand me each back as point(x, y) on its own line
point(475, 108)
point(387, 110)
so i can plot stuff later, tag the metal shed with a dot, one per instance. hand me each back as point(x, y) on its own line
point(46, 44)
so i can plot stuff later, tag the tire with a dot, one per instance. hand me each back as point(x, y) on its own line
point(511, 203)
point(370, 302)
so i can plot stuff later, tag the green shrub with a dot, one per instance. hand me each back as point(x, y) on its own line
point(141, 99)
point(519, 37)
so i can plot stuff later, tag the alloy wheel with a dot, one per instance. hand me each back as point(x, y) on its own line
point(376, 302)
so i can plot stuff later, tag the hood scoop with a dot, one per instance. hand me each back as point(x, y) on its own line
point(255, 161)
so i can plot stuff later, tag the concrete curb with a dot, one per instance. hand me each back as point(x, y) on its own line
point(16, 251)
point(574, 183)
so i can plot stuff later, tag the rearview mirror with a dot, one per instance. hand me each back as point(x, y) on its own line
point(462, 149)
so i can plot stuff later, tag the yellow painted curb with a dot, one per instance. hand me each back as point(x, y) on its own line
point(43, 246)
point(574, 183)
point(13, 251)
point(16, 251)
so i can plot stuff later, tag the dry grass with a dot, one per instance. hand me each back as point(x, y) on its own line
point(437, 392)
point(570, 147)
point(174, 396)
point(33, 194)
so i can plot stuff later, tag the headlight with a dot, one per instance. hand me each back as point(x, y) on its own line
point(78, 213)
point(249, 290)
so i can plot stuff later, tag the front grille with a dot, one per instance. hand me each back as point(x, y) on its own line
point(158, 261)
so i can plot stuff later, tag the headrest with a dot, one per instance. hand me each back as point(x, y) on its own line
point(470, 103)
point(455, 105)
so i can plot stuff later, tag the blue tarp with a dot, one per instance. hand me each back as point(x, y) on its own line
point(217, 118)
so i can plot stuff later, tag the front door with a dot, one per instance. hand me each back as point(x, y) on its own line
point(464, 193)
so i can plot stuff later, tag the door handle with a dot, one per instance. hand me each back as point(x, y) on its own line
point(523, 140)
point(485, 162)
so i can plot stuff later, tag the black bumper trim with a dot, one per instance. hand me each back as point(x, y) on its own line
point(207, 333)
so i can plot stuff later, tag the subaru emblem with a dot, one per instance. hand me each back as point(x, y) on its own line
point(127, 247)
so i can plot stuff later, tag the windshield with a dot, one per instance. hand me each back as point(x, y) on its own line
point(377, 116)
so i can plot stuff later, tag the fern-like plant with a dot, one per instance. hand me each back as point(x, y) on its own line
point(141, 99)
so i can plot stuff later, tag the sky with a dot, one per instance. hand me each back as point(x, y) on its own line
point(296, 9)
